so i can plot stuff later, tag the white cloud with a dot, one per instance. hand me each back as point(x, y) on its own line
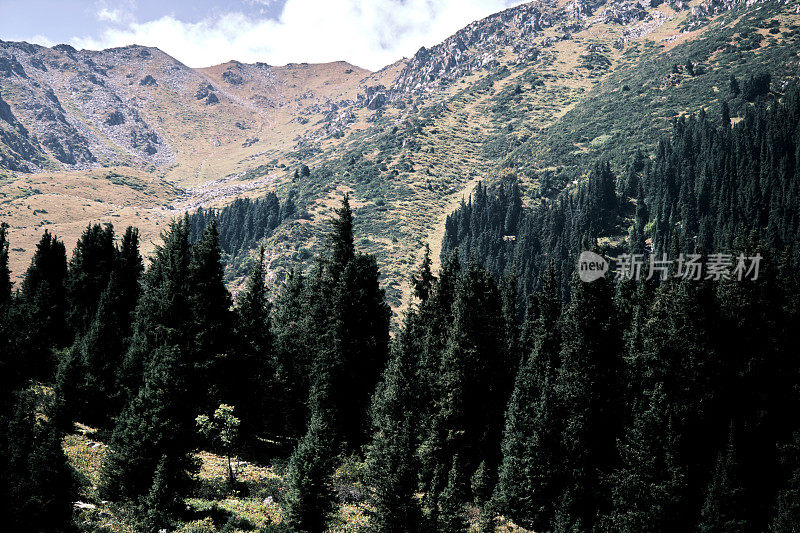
point(109, 15)
point(42, 40)
point(368, 33)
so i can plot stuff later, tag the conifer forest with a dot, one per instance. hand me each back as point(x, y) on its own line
point(607, 343)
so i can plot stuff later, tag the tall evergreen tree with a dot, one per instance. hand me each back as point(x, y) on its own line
point(212, 320)
point(310, 497)
point(89, 269)
point(588, 385)
point(43, 294)
point(527, 486)
point(250, 374)
point(391, 464)
point(37, 482)
point(722, 510)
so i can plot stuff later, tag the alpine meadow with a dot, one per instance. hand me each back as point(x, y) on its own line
point(542, 276)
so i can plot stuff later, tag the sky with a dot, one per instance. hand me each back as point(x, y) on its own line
point(367, 33)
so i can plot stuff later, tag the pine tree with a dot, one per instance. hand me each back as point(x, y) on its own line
point(43, 296)
point(87, 373)
point(390, 464)
point(310, 497)
point(250, 374)
point(159, 506)
point(722, 510)
point(351, 325)
point(588, 385)
point(527, 484)
point(162, 314)
point(452, 516)
point(649, 484)
point(5, 273)
point(212, 320)
point(294, 340)
point(37, 482)
point(156, 423)
point(89, 269)
point(423, 279)
point(787, 514)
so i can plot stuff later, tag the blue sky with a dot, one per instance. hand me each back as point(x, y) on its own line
point(368, 33)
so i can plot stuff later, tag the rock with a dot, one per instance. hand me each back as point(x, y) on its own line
point(9, 65)
point(65, 48)
point(212, 99)
point(148, 81)
point(83, 505)
point(268, 500)
point(203, 91)
point(249, 142)
point(232, 77)
point(377, 101)
point(115, 118)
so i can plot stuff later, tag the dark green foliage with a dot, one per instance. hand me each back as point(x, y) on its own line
point(452, 516)
point(527, 484)
point(36, 483)
point(755, 86)
point(723, 510)
point(5, 273)
point(648, 485)
point(156, 424)
point(391, 463)
point(787, 516)
point(244, 222)
point(249, 374)
point(588, 384)
point(43, 295)
point(309, 501)
point(211, 318)
point(89, 269)
point(295, 347)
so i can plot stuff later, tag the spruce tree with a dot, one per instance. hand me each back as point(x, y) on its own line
point(156, 423)
point(163, 315)
point(452, 516)
point(212, 320)
point(310, 498)
point(723, 510)
point(648, 486)
point(295, 346)
point(588, 385)
point(43, 297)
point(527, 486)
point(787, 510)
point(391, 464)
point(250, 373)
point(89, 269)
point(37, 482)
point(5, 273)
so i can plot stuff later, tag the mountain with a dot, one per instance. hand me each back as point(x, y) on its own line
point(131, 135)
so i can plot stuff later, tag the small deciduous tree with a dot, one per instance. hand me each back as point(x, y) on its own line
point(223, 430)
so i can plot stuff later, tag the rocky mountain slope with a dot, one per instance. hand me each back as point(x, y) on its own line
point(131, 135)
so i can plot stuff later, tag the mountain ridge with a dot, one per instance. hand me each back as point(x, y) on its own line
point(500, 96)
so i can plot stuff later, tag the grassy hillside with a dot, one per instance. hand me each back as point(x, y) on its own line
point(539, 91)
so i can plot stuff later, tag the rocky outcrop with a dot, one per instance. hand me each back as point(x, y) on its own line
point(708, 8)
point(473, 48)
point(203, 91)
point(101, 120)
point(114, 118)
